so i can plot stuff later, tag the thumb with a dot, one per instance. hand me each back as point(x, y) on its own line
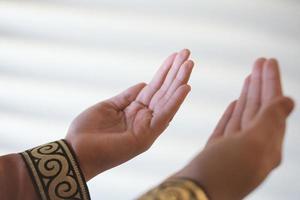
point(278, 108)
point(272, 117)
point(122, 100)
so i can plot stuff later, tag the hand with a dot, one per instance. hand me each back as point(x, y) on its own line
point(114, 131)
point(247, 142)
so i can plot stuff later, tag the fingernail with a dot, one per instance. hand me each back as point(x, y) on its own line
point(273, 61)
point(185, 51)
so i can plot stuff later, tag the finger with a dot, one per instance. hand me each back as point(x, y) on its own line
point(221, 126)
point(271, 81)
point(163, 115)
point(158, 79)
point(181, 57)
point(234, 123)
point(122, 100)
point(182, 77)
point(254, 94)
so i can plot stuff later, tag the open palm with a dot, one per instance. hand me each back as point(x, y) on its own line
point(115, 130)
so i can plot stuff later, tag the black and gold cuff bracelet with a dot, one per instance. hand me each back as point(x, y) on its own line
point(176, 189)
point(55, 172)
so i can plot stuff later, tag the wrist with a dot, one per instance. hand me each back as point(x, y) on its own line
point(87, 165)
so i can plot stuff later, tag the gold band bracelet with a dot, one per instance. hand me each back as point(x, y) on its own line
point(55, 172)
point(176, 189)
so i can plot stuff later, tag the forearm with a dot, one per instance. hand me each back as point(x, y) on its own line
point(15, 181)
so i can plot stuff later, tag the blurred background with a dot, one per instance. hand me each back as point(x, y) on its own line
point(58, 57)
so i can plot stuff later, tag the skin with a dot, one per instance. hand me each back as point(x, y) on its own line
point(247, 142)
point(115, 130)
point(118, 129)
point(244, 148)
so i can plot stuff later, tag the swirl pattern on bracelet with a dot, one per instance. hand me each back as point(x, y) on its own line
point(55, 172)
point(176, 189)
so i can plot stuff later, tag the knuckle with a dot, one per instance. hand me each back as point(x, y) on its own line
point(179, 80)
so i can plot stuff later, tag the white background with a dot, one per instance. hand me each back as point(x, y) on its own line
point(59, 57)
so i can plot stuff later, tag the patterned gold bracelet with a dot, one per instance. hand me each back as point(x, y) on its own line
point(176, 189)
point(55, 172)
